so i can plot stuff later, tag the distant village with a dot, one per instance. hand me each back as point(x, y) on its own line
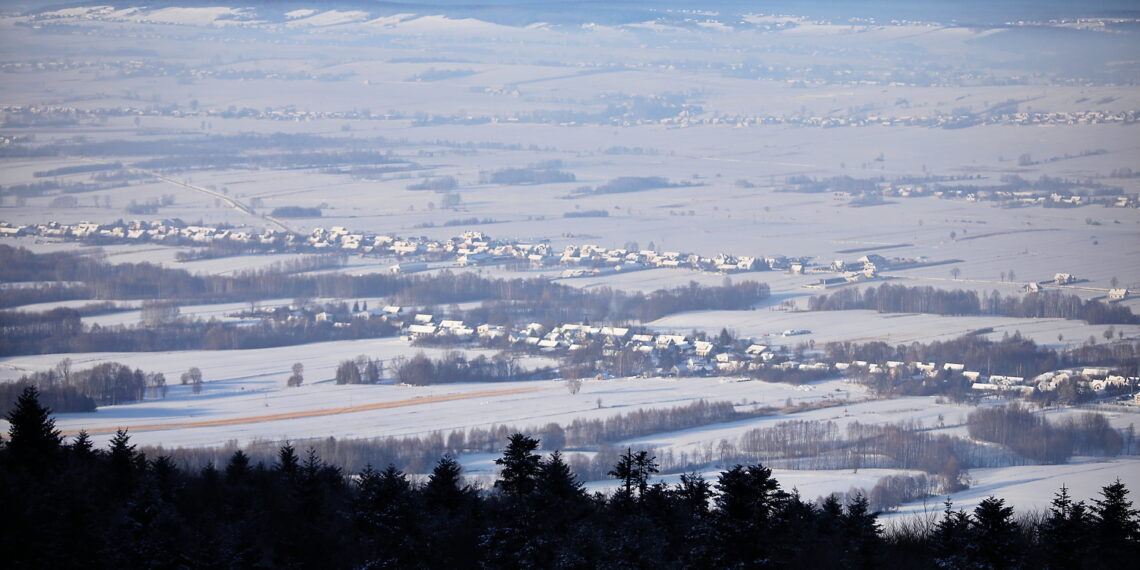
point(471, 248)
point(685, 116)
point(658, 353)
point(678, 355)
point(474, 248)
point(1010, 197)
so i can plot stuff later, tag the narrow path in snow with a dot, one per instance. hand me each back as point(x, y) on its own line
point(307, 413)
point(234, 203)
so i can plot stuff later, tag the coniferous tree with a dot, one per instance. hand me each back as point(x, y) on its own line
point(1116, 526)
point(287, 460)
point(697, 536)
point(863, 533)
point(125, 461)
point(624, 472)
point(82, 446)
point(747, 500)
point(32, 437)
point(995, 534)
point(1065, 536)
point(520, 465)
point(953, 535)
point(557, 481)
point(238, 468)
point(444, 487)
point(384, 514)
point(634, 469)
point(450, 522)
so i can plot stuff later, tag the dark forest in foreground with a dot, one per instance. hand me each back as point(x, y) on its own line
point(69, 505)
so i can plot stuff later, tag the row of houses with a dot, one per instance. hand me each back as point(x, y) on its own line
point(136, 230)
point(471, 248)
point(1079, 196)
point(682, 355)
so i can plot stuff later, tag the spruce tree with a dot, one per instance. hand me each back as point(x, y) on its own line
point(444, 487)
point(82, 446)
point(124, 461)
point(32, 437)
point(520, 466)
point(624, 471)
point(995, 534)
point(953, 535)
point(1065, 532)
point(862, 529)
point(557, 481)
point(1116, 525)
point(748, 500)
point(287, 460)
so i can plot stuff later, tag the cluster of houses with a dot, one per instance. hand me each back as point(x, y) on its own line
point(469, 249)
point(686, 116)
point(689, 356)
point(1011, 197)
point(137, 230)
point(1096, 379)
point(939, 120)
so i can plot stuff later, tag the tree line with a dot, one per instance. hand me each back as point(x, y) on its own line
point(1037, 438)
point(69, 390)
point(888, 298)
point(302, 511)
point(455, 366)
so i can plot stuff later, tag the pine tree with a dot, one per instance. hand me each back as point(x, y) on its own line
point(624, 471)
point(1065, 532)
point(520, 466)
point(32, 438)
point(862, 529)
point(238, 467)
point(450, 523)
point(634, 469)
point(385, 516)
point(645, 465)
point(694, 492)
point(82, 446)
point(748, 493)
point(123, 461)
point(953, 535)
point(557, 481)
point(287, 460)
point(444, 487)
point(1116, 526)
point(995, 534)
point(747, 501)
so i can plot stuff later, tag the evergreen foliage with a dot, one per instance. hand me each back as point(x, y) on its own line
point(32, 437)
